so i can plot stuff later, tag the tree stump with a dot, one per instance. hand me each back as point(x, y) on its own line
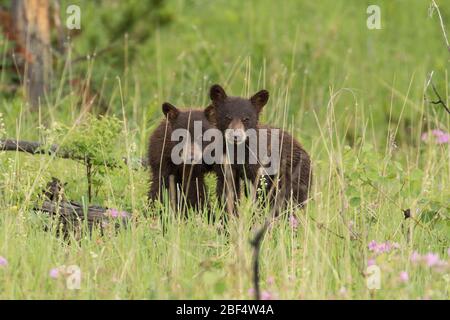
point(31, 24)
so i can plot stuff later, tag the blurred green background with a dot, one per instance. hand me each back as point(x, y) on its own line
point(303, 52)
point(354, 97)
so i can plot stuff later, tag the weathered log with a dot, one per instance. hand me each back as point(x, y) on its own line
point(32, 147)
point(72, 214)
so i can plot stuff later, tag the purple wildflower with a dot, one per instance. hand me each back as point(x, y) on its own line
point(372, 245)
point(3, 262)
point(383, 247)
point(114, 213)
point(370, 262)
point(54, 273)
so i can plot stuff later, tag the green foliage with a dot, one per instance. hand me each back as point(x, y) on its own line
point(352, 96)
point(94, 139)
point(96, 142)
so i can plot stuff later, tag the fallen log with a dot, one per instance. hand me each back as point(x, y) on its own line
point(73, 215)
point(34, 148)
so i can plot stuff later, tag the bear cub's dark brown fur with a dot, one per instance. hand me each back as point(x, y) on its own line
point(239, 114)
point(188, 175)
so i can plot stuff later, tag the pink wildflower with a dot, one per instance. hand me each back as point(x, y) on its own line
point(440, 137)
point(114, 213)
point(372, 245)
point(3, 262)
point(432, 259)
point(383, 247)
point(370, 262)
point(404, 277)
point(266, 295)
point(54, 273)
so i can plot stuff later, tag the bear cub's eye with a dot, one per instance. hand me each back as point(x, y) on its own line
point(228, 117)
point(245, 119)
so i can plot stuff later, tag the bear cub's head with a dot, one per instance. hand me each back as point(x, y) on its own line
point(233, 116)
point(186, 129)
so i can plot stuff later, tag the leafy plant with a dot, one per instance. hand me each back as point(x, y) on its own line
point(94, 141)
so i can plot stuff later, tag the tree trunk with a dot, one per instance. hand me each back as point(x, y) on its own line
point(31, 21)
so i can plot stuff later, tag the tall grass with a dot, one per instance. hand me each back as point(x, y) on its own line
point(352, 96)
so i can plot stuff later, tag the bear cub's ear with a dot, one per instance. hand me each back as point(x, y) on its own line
point(260, 99)
point(210, 114)
point(170, 111)
point(217, 93)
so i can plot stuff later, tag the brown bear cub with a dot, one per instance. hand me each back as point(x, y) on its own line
point(290, 165)
point(176, 149)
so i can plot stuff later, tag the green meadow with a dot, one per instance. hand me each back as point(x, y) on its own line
point(358, 99)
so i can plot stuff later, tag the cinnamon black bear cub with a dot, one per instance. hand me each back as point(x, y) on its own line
point(236, 118)
point(176, 149)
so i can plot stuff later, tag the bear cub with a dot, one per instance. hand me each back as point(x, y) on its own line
point(176, 149)
point(236, 118)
